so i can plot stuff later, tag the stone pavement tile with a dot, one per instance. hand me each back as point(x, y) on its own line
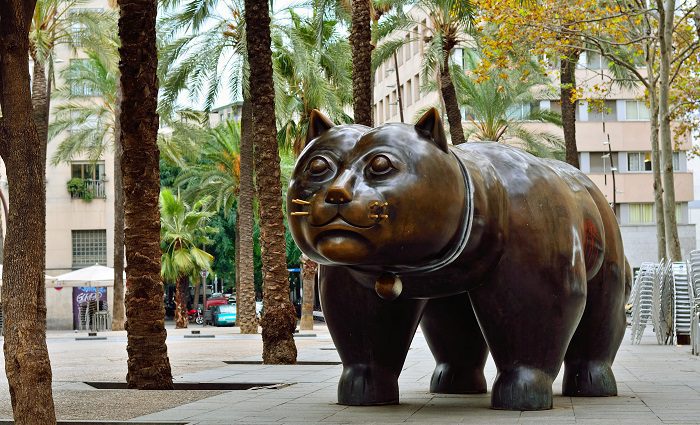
point(617, 421)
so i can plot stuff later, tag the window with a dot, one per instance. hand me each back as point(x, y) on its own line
point(386, 108)
point(641, 213)
point(676, 161)
point(416, 87)
point(595, 61)
point(88, 170)
point(416, 43)
point(380, 112)
point(602, 111)
point(89, 247)
point(77, 27)
point(520, 111)
point(409, 93)
point(639, 161)
point(636, 110)
point(407, 47)
point(82, 88)
point(600, 161)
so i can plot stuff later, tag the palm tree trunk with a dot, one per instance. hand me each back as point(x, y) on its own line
point(279, 320)
point(182, 287)
point(118, 313)
point(308, 278)
point(41, 97)
point(27, 364)
point(148, 364)
point(245, 286)
point(673, 246)
point(449, 95)
point(361, 45)
point(656, 169)
point(567, 81)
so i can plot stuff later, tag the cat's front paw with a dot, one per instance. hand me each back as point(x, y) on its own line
point(522, 388)
point(367, 385)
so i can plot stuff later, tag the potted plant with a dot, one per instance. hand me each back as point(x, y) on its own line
point(76, 188)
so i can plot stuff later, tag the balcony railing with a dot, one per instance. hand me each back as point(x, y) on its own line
point(92, 189)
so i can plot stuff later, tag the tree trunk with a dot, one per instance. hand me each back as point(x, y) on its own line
point(182, 288)
point(308, 278)
point(118, 316)
point(567, 81)
point(279, 320)
point(196, 296)
point(449, 96)
point(148, 364)
point(3, 211)
point(656, 169)
point(673, 246)
point(41, 98)
point(361, 45)
point(27, 364)
point(245, 286)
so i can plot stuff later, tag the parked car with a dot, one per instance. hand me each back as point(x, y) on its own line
point(223, 315)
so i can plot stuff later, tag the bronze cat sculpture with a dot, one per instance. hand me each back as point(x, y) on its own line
point(487, 246)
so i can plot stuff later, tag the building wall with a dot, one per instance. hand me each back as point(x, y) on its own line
point(640, 242)
point(64, 215)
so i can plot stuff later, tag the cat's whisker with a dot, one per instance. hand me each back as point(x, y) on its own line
point(296, 213)
point(300, 202)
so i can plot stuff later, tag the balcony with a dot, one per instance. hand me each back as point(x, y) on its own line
point(86, 189)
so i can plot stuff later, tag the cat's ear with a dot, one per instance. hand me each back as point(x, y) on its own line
point(430, 126)
point(318, 124)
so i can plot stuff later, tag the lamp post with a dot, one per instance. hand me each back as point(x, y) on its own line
point(612, 172)
point(204, 274)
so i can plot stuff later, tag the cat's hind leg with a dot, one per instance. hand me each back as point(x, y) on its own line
point(456, 341)
point(588, 361)
point(372, 336)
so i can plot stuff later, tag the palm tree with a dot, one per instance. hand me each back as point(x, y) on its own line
point(499, 108)
point(194, 62)
point(148, 365)
point(87, 122)
point(51, 26)
point(27, 364)
point(361, 42)
point(183, 230)
point(311, 63)
point(279, 320)
point(449, 21)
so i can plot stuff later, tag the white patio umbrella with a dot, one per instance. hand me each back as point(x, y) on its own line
point(89, 276)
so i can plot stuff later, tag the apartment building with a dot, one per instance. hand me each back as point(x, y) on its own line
point(613, 143)
point(79, 215)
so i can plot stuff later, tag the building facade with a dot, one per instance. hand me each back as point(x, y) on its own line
point(619, 133)
point(79, 214)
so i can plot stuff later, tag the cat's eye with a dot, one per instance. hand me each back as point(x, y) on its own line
point(318, 166)
point(380, 165)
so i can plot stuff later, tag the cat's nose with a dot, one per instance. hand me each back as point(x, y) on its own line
point(340, 191)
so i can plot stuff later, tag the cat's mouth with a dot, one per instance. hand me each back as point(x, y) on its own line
point(338, 222)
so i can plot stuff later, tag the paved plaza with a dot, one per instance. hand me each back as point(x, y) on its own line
point(657, 384)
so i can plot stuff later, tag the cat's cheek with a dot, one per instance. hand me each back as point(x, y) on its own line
point(344, 249)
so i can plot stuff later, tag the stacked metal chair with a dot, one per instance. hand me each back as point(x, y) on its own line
point(694, 294)
point(682, 302)
point(641, 299)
